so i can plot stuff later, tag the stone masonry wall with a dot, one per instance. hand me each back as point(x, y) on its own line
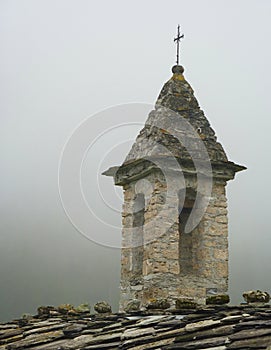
point(155, 269)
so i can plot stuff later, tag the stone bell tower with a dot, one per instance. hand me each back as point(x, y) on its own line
point(175, 224)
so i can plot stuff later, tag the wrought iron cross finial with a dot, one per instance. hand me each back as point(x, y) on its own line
point(178, 40)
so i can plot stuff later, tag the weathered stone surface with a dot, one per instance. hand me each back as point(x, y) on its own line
point(45, 323)
point(151, 345)
point(45, 310)
point(254, 343)
point(176, 98)
point(171, 324)
point(158, 304)
point(217, 299)
point(233, 319)
point(35, 339)
point(256, 296)
point(154, 320)
point(9, 333)
point(84, 340)
point(185, 303)
point(102, 307)
point(11, 339)
point(55, 345)
point(250, 333)
point(133, 305)
point(137, 332)
point(254, 323)
point(198, 344)
point(65, 308)
point(116, 327)
point(8, 326)
point(82, 308)
point(146, 340)
point(205, 334)
point(44, 329)
point(111, 346)
point(201, 325)
point(216, 327)
point(72, 330)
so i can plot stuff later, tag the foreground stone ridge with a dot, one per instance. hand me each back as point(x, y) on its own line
point(211, 327)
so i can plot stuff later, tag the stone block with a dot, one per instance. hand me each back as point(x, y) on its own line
point(256, 296)
point(221, 269)
point(185, 303)
point(219, 299)
point(102, 307)
point(222, 218)
point(158, 304)
point(221, 254)
point(132, 306)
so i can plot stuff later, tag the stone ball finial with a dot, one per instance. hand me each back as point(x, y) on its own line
point(177, 69)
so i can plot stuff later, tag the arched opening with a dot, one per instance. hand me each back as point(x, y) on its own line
point(137, 236)
point(186, 239)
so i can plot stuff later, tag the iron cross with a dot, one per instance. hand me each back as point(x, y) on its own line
point(178, 40)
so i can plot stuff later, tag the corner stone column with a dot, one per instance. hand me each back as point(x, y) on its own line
point(214, 250)
point(161, 237)
point(127, 293)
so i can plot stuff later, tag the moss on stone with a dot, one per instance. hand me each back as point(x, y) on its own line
point(158, 304)
point(178, 77)
point(218, 299)
point(185, 303)
point(132, 306)
point(65, 308)
point(82, 308)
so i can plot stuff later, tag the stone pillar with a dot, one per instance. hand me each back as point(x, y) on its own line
point(136, 196)
point(160, 231)
point(215, 243)
point(161, 249)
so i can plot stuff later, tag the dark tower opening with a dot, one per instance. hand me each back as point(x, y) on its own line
point(137, 234)
point(186, 239)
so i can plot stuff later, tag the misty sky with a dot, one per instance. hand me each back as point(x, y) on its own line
point(63, 61)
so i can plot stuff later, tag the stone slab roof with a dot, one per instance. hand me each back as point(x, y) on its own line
point(214, 327)
point(178, 128)
point(175, 104)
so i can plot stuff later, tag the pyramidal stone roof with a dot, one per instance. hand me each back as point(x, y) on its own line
point(178, 127)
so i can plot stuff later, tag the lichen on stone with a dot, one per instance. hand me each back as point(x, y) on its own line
point(158, 304)
point(219, 299)
point(256, 296)
point(185, 303)
point(102, 307)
